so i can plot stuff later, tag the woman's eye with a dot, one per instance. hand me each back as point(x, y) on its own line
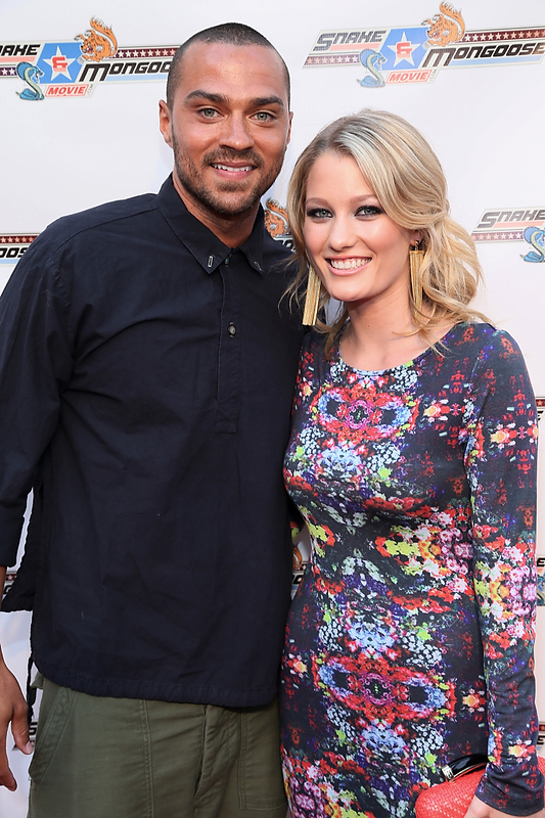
point(369, 210)
point(318, 213)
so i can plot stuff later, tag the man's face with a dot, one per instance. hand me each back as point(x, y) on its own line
point(229, 127)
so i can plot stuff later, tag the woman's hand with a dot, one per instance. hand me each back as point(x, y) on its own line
point(478, 809)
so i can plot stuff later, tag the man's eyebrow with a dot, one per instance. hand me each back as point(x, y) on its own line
point(263, 102)
point(219, 99)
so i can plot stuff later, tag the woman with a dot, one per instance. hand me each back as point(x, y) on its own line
point(412, 459)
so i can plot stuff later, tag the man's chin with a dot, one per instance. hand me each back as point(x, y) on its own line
point(226, 199)
point(232, 206)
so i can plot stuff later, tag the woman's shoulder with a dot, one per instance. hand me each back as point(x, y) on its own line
point(482, 339)
point(489, 359)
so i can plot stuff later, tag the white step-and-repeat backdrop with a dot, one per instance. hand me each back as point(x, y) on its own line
point(79, 86)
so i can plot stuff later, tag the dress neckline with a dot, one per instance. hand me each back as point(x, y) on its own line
point(370, 372)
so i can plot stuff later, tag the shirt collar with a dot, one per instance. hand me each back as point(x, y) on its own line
point(204, 246)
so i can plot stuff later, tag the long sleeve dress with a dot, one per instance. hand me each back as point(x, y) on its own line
point(410, 640)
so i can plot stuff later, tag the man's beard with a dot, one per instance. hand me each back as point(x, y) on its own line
point(218, 200)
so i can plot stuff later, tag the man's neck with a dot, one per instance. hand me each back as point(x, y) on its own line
point(231, 230)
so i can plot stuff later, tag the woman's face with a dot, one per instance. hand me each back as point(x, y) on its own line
point(359, 253)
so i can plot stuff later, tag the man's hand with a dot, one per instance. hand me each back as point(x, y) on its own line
point(13, 708)
point(478, 809)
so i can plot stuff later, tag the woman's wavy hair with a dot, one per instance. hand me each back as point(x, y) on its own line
point(408, 180)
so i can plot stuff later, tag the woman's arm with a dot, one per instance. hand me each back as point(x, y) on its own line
point(500, 459)
point(478, 809)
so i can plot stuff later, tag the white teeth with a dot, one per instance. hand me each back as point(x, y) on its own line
point(232, 169)
point(349, 264)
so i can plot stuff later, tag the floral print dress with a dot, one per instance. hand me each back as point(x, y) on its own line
point(410, 640)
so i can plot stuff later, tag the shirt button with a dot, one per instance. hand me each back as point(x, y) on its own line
point(227, 261)
point(231, 329)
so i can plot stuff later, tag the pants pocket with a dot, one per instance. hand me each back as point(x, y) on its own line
point(259, 773)
point(55, 710)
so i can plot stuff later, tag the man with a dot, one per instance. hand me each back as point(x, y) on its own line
point(146, 371)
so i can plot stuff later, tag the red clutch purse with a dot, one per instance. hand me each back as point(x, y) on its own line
point(451, 799)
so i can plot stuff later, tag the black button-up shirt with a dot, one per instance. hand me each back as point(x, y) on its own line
point(146, 375)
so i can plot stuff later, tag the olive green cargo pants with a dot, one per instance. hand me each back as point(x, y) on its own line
point(129, 758)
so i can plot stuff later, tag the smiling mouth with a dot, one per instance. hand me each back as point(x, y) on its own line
point(232, 168)
point(348, 264)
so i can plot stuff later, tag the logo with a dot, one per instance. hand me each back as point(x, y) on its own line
point(276, 222)
point(536, 238)
point(98, 42)
point(446, 27)
point(418, 53)
point(75, 67)
point(520, 224)
point(13, 246)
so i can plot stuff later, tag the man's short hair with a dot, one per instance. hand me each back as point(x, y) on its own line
point(232, 33)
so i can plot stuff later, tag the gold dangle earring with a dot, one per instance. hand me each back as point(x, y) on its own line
point(415, 263)
point(314, 287)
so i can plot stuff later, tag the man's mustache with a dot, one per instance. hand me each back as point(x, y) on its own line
point(224, 157)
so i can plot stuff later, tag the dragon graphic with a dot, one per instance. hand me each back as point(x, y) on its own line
point(446, 27)
point(98, 42)
point(276, 219)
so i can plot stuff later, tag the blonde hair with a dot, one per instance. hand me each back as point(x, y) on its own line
point(408, 180)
